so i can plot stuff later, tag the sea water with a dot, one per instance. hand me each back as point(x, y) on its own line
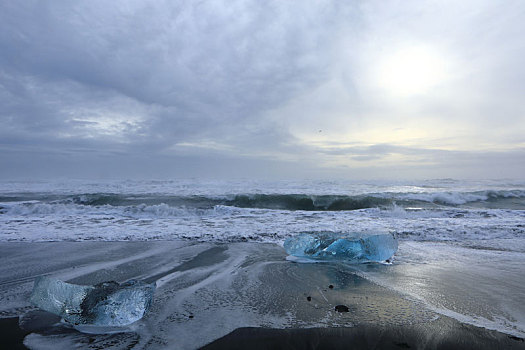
point(471, 232)
point(487, 212)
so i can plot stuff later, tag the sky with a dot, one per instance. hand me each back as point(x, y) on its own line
point(262, 89)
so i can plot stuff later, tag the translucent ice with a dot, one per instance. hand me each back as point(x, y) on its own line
point(105, 304)
point(350, 247)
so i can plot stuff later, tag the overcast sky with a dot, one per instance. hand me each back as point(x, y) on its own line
point(279, 89)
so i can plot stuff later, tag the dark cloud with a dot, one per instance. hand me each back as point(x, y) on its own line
point(202, 64)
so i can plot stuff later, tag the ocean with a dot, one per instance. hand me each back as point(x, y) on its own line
point(486, 214)
point(461, 243)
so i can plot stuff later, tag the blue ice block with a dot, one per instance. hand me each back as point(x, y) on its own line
point(356, 247)
point(107, 304)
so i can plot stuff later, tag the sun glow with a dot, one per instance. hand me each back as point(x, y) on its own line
point(411, 71)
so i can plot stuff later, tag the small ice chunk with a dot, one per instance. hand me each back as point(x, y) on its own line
point(354, 247)
point(60, 298)
point(105, 304)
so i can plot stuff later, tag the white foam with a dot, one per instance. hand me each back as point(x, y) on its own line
point(73, 222)
point(71, 219)
point(459, 197)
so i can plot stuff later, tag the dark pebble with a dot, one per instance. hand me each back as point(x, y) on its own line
point(341, 308)
point(331, 286)
point(309, 298)
point(190, 316)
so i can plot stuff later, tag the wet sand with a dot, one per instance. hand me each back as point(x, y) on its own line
point(242, 295)
point(11, 335)
point(443, 333)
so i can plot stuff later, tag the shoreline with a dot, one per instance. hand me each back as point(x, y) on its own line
point(235, 295)
point(12, 336)
point(442, 333)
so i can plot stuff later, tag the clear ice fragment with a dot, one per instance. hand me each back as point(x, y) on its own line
point(354, 247)
point(105, 304)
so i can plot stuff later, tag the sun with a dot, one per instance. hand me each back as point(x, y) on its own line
point(411, 71)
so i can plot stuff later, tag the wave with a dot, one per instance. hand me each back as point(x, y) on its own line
point(132, 211)
point(307, 202)
point(260, 201)
point(460, 198)
point(256, 201)
point(173, 205)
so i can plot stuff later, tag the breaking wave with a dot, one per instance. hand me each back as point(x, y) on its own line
point(460, 198)
point(166, 205)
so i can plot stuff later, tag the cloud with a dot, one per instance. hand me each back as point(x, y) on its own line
point(201, 64)
point(147, 84)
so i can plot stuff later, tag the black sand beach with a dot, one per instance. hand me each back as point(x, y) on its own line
point(443, 333)
point(229, 296)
